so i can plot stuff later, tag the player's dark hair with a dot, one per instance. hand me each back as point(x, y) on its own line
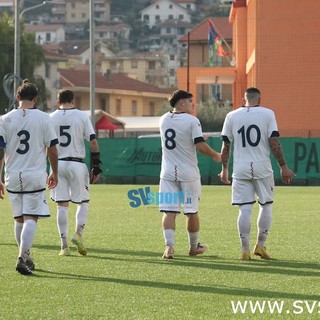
point(65, 96)
point(253, 93)
point(27, 91)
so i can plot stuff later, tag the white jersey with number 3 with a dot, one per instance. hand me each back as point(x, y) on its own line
point(27, 133)
point(249, 128)
point(179, 157)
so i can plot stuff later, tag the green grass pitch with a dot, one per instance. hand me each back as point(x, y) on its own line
point(124, 277)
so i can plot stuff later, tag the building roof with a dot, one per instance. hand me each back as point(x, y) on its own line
point(112, 27)
point(42, 27)
point(200, 32)
point(116, 81)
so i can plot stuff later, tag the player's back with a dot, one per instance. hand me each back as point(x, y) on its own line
point(27, 133)
point(72, 127)
point(179, 158)
point(250, 129)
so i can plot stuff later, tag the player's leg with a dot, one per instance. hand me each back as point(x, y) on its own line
point(243, 196)
point(265, 192)
point(168, 229)
point(244, 229)
point(169, 211)
point(63, 227)
point(79, 190)
point(192, 195)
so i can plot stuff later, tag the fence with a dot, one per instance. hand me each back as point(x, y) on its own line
point(137, 161)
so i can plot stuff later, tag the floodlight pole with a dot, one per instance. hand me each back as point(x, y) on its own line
point(18, 16)
point(92, 66)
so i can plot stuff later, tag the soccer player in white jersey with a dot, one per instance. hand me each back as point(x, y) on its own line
point(27, 136)
point(181, 137)
point(73, 127)
point(254, 132)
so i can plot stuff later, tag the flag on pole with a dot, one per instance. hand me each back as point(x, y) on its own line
point(214, 43)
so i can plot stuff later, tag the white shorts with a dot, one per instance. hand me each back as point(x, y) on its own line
point(174, 194)
point(245, 191)
point(73, 183)
point(31, 204)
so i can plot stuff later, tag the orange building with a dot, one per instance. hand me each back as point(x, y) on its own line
point(276, 48)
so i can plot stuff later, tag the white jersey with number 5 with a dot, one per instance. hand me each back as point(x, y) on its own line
point(72, 127)
point(179, 133)
point(249, 128)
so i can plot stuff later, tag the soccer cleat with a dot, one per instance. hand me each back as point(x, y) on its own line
point(169, 253)
point(77, 240)
point(30, 264)
point(245, 256)
point(259, 251)
point(22, 267)
point(201, 249)
point(65, 252)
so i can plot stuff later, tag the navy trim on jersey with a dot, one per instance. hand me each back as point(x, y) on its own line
point(2, 143)
point(243, 203)
point(169, 211)
point(54, 142)
point(275, 134)
point(262, 204)
point(35, 191)
point(197, 140)
point(92, 136)
point(225, 139)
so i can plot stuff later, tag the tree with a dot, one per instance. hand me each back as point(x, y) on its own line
point(31, 56)
point(211, 115)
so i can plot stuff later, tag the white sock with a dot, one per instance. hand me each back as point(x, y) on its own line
point(81, 216)
point(264, 223)
point(168, 235)
point(17, 231)
point(244, 226)
point(27, 235)
point(63, 226)
point(193, 239)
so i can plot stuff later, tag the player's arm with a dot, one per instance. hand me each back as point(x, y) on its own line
point(1, 168)
point(225, 156)
point(276, 148)
point(52, 153)
point(206, 150)
point(95, 161)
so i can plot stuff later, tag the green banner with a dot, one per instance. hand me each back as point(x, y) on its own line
point(126, 160)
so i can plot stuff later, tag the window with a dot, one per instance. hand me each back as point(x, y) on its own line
point(181, 16)
point(157, 18)
point(152, 65)
point(83, 15)
point(157, 6)
point(172, 57)
point(168, 30)
point(146, 18)
point(172, 72)
point(103, 104)
point(47, 71)
point(134, 107)
point(48, 37)
point(170, 17)
point(170, 6)
point(118, 107)
point(73, 5)
point(188, 6)
point(151, 109)
point(134, 64)
point(216, 91)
